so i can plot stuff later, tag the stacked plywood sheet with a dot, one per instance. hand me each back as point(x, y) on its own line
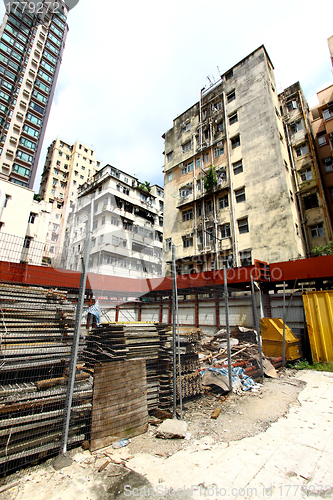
point(189, 361)
point(127, 341)
point(119, 402)
point(36, 328)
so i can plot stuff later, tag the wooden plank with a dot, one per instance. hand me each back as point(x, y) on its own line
point(119, 406)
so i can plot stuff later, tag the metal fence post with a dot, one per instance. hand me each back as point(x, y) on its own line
point(174, 287)
point(63, 460)
point(227, 326)
point(257, 326)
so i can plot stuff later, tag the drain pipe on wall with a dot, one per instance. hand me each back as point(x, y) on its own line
point(232, 204)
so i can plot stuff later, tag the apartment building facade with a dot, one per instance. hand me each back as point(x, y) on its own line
point(311, 200)
point(67, 166)
point(23, 225)
point(229, 192)
point(127, 235)
point(322, 124)
point(31, 48)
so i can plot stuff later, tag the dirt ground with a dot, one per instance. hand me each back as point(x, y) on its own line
point(241, 416)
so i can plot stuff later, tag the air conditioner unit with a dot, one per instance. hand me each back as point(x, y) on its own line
point(181, 164)
point(220, 143)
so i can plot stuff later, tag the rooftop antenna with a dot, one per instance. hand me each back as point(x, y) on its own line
point(218, 69)
point(210, 81)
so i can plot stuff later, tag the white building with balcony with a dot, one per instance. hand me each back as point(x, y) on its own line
point(127, 226)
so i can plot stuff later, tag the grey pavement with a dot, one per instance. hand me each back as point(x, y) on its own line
point(293, 458)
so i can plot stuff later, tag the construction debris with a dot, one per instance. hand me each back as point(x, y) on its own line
point(172, 429)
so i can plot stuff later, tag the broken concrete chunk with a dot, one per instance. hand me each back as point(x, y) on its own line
point(172, 429)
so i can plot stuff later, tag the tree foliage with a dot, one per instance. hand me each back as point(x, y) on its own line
point(210, 181)
point(323, 250)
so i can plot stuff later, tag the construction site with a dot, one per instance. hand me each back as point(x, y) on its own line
point(230, 333)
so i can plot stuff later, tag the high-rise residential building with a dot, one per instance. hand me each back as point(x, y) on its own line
point(322, 124)
point(316, 224)
point(229, 191)
point(31, 48)
point(127, 226)
point(66, 168)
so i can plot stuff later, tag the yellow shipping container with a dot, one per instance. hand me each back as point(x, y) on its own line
point(319, 318)
point(272, 339)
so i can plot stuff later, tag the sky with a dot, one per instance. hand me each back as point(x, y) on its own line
point(129, 68)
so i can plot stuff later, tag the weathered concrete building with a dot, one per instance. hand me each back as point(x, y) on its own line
point(23, 225)
point(67, 166)
point(322, 124)
point(316, 225)
point(229, 192)
point(127, 226)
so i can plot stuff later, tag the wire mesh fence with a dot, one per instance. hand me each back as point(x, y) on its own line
point(124, 370)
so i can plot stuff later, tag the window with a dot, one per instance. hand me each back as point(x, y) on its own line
point(240, 195)
point(21, 170)
point(328, 113)
point(187, 241)
point(296, 127)
point(306, 175)
point(229, 74)
point(32, 218)
point(54, 182)
point(207, 158)
point(219, 151)
point(103, 219)
point(224, 201)
point(27, 241)
point(28, 144)
point(187, 215)
point(24, 156)
point(243, 225)
point(187, 127)
point(187, 168)
point(170, 177)
point(60, 153)
point(238, 167)
point(217, 106)
point(186, 147)
point(246, 258)
point(210, 233)
point(328, 164)
point(219, 127)
point(58, 163)
point(30, 131)
point(199, 210)
point(233, 119)
point(235, 142)
point(317, 231)
point(198, 163)
point(301, 150)
point(231, 96)
point(209, 206)
point(291, 105)
point(225, 231)
point(322, 139)
point(185, 191)
point(310, 201)
point(168, 244)
point(53, 191)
